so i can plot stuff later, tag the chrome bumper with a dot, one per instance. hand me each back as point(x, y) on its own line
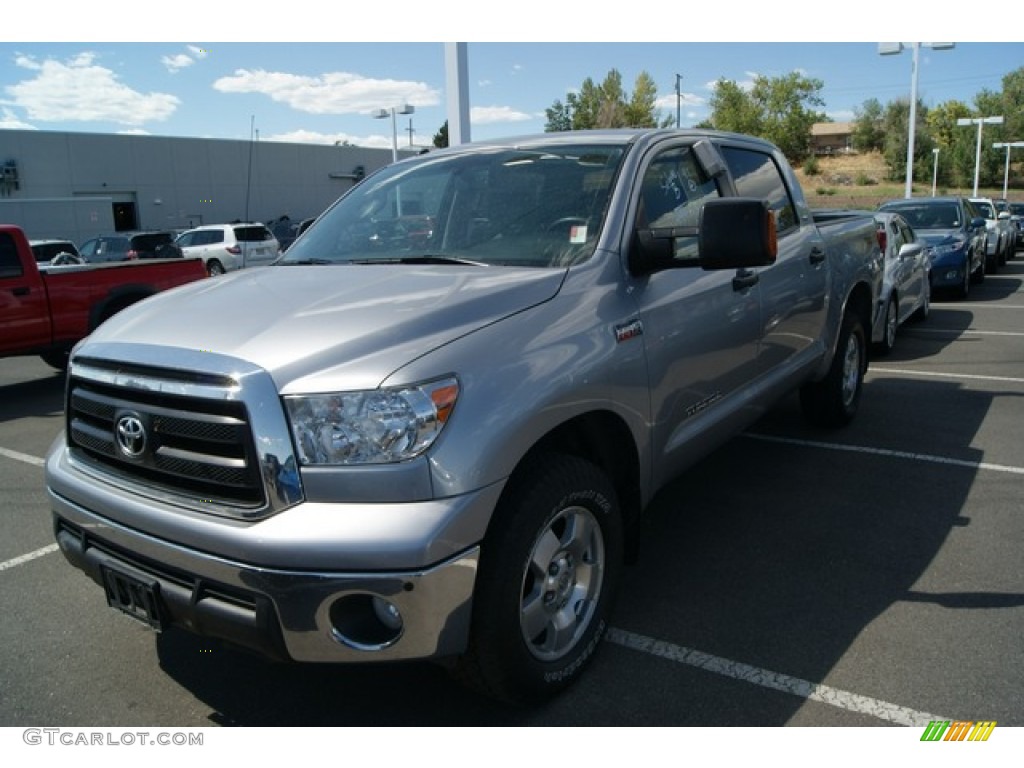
point(308, 616)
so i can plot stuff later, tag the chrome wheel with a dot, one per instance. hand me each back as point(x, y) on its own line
point(562, 583)
point(852, 368)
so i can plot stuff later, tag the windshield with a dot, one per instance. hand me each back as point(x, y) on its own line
point(538, 207)
point(928, 215)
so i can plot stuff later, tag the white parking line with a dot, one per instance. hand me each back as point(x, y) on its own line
point(33, 460)
point(30, 556)
point(961, 332)
point(935, 374)
point(805, 689)
point(887, 452)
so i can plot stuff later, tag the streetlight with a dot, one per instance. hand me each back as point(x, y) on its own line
point(1006, 172)
point(935, 169)
point(890, 49)
point(979, 121)
point(380, 114)
point(679, 97)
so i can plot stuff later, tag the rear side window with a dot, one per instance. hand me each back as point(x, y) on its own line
point(10, 264)
point(252, 234)
point(756, 175)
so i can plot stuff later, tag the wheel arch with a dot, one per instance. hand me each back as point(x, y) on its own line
point(604, 439)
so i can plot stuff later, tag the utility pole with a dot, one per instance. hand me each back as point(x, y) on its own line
point(679, 99)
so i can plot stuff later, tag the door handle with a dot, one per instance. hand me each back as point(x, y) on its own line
point(21, 290)
point(744, 279)
point(817, 255)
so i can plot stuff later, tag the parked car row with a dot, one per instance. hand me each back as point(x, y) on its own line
point(933, 244)
point(222, 247)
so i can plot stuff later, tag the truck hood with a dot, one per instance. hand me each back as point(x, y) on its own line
point(317, 328)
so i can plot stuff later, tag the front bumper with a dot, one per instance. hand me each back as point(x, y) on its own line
point(313, 616)
point(308, 584)
point(948, 270)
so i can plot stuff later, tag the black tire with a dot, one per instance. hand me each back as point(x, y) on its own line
point(978, 276)
point(550, 561)
point(833, 401)
point(964, 289)
point(892, 319)
point(58, 359)
point(925, 309)
point(214, 268)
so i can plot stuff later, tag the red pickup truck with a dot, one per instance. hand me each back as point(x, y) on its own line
point(45, 310)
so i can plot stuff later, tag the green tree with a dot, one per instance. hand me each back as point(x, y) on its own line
point(606, 105)
point(780, 109)
point(956, 154)
point(868, 134)
point(441, 137)
point(895, 121)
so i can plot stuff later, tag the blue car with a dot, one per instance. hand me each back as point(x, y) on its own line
point(954, 231)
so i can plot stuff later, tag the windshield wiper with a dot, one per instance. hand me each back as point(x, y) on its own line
point(425, 259)
point(307, 262)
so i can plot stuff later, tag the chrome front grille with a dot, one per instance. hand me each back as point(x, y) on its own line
point(195, 447)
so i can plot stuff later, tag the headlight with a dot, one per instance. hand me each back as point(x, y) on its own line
point(373, 427)
point(942, 250)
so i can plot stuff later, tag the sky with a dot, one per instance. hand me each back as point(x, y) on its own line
point(77, 76)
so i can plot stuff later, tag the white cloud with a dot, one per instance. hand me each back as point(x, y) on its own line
point(179, 61)
point(487, 115)
point(332, 93)
point(81, 90)
point(10, 121)
point(302, 136)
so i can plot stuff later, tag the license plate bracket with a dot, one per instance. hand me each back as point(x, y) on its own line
point(134, 594)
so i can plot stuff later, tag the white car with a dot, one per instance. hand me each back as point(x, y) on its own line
point(1000, 241)
point(906, 285)
point(227, 247)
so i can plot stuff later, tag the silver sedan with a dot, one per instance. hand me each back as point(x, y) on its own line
point(906, 287)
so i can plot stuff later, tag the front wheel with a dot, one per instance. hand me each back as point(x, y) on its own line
point(833, 401)
point(549, 569)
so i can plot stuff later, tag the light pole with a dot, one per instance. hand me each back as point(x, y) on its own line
point(1006, 171)
point(679, 98)
point(380, 114)
point(979, 121)
point(890, 49)
point(935, 169)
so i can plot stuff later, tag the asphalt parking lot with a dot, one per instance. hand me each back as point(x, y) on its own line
point(864, 577)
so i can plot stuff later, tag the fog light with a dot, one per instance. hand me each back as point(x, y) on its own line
point(366, 622)
point(387, 613)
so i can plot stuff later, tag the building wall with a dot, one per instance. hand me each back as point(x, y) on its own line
point(174, 183)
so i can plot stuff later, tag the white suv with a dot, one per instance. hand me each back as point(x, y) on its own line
point(226, 247)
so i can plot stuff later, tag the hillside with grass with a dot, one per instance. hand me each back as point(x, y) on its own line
point(859, 181)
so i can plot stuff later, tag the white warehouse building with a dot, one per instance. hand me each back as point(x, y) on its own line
point(79, 185)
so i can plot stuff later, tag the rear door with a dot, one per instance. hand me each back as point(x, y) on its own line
point(794, 288)
point(24, 309)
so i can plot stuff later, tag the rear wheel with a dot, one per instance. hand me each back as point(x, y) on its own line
point(214, 268)
point(833, 401)
point(549, 569)
point(892, 317)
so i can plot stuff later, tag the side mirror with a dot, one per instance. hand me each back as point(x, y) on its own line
point(910, 250)
point(736, 233)
point(1003, 215)
point(733, 233)
point(978, 221)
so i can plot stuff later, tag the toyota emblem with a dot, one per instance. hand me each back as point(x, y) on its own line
point(130, 435)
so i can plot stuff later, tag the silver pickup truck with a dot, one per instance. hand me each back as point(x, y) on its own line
point(430, 429)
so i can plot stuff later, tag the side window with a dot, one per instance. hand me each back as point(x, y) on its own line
point(673, 190)
point(756, 175)
point(10, 264)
